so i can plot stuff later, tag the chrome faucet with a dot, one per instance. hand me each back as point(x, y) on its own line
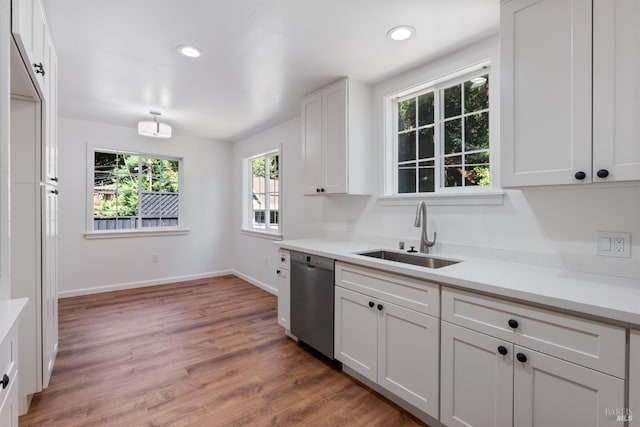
point(421, 216)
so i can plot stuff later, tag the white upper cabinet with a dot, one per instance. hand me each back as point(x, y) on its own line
point(28, 25)
point(337, 146)
point(634, 374)
point(545, 92)
point(570, 93)
point(616, 90)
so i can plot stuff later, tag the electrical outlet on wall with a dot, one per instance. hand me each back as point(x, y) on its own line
point(613, 244)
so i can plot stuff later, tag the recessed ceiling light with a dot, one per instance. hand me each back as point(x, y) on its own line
point(190, 51)
point(402, 32)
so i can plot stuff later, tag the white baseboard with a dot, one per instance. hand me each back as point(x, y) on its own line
point(141, 284)
point(256, 282)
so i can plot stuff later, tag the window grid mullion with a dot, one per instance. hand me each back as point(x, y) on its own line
point(267, 193)
point(438, 141)
point(463, 136)
point(139, 224)
point(415, 143)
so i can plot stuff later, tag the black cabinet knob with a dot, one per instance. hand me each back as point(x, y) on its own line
point(317, 190)
point(580, 175)
point(380, 306)
point(513, 323)
point(54, 191)
point(39, 68)
point(54, 179)
point(521, 357)
point(602, 173)
point(502, 350)
point(277, 271)
point(322, 190)
point(371, 304)
point(5, 381)
point(283, 259)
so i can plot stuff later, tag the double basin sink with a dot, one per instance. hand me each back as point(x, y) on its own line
point(409, 258)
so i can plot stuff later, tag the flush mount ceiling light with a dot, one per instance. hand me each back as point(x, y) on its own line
point(403, 32)
point(478, 81)
point(154, 128)
point(190, 51)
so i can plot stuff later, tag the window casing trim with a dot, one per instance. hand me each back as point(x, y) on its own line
point(390, 131)
point(247, 190)
point(90, 233)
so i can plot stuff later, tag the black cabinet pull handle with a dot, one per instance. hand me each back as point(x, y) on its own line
point(322, 190)
point(371, 304)
point(521, 357)
point(54, 179)
point(380, 306)
point(282, 259)
point(39, 68)
point(602, 173)
point(278, 271)
point(513, 323)
point(5, 381)
point(580, 175)
point(54, 192)
point(502, 350)
point(317, 190)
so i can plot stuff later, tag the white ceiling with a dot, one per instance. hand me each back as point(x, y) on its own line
point(118, 58)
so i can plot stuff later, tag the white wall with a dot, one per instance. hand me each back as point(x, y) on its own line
point(255, 258)
point(87, 266)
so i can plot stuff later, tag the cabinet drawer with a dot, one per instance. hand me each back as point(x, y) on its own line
point(584, 342)
point(415, 294)
point(283, 259)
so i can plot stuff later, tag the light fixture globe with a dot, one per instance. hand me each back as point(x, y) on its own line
point(154, 128)
point(403, 32)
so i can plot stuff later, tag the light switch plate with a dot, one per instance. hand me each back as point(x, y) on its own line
point(613, 244)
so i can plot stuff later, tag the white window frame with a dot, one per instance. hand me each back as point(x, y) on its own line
point(247, 197)
point(440, 195)
point(140, 231)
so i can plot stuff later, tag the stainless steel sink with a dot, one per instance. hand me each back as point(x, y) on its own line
point(407, 258)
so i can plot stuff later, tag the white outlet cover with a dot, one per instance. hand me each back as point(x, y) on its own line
point(613, 244)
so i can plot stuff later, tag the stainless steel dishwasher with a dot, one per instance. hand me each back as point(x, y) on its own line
point(312, 292)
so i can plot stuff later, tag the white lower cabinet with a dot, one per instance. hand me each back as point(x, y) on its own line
point(390, 345)
point(284, 298)
point(493, 381)
point(477, 381)
point(634, 376)
point(548, 391)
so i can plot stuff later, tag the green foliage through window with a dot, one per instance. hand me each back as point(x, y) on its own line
point(442, 138)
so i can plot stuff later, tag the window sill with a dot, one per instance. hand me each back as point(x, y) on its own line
point(477, 198)
point(135, 233)
point(262, 234)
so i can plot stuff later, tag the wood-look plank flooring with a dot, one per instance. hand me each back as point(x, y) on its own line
point(199, 353)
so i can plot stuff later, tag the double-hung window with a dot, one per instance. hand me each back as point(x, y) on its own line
point(441, 137)
point(262, 195)
point(135, 191)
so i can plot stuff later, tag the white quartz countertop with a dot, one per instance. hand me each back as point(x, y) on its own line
point(10, 310)
point(608, 297)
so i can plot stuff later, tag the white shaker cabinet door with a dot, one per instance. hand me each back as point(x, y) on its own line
point(284, 298)
point(476, 379)
point(634, 377)
point(545, 90)
point(616, 90)
point(334, 115)
point(312, 146)
point(356, 335)
point(552, 392)
point(408, 355)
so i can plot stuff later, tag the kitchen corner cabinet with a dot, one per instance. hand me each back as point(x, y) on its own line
point(337, 143)
point(634, 375)
point(284, 290)
point(552, 52)
point(516, 360)
point(381, 333)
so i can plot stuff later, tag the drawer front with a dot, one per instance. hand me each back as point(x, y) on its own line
point(9, 400)
point(418, 295)
point(581, 341)
point(284, 260)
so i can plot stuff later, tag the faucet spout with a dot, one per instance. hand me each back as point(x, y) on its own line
point(421, 221)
